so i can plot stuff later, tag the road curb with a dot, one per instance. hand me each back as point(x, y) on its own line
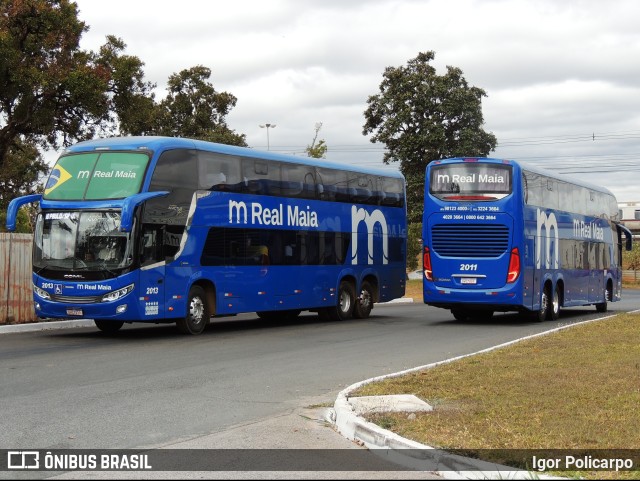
point(45, 326)
point(391, 445)
point(50, 325)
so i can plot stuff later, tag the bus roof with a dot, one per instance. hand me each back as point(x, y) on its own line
point(531, 168)
point(154, 143)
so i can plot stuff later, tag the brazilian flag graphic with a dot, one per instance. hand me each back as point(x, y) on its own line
point(57, 177)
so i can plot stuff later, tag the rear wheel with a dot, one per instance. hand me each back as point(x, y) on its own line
point(198, 313)
point(364, 304)
point(554, 311)
point(109, 326)
point(608, 295)
point(545, 303)
point(460, 314)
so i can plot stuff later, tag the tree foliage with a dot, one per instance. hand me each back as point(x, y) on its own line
point(414, 245)
point(194, 109)
point(631, 259)
point(53, 93)
point(318, 148)
point(23, 168)
point(421, 116)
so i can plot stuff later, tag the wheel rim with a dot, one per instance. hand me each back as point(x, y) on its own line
point(196, 310)
point(545, 302)
point(345, 301)
point(556, 303)
point(365, 299)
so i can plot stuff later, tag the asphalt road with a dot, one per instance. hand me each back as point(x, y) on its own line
point(150, 386)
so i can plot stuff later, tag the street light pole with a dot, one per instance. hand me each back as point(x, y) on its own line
point(268, 126)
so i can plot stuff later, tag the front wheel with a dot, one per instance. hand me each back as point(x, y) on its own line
point(109, 326)
point(198, 313)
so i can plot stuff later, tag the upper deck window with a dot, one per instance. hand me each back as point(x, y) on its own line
point(96, 175)
point(470, 181)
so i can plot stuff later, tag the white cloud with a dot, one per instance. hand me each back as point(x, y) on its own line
point(550, 69)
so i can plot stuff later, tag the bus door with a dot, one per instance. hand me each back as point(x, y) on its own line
point(151, 290)
point(596, 273)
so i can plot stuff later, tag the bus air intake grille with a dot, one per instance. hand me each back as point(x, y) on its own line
point(470, 240)
point(76, 300)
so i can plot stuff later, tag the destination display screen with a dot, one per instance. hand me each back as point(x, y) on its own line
point(471, 181)
point(96, 176)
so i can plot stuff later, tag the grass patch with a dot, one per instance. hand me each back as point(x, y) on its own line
point(574, 389)
point(413, 290)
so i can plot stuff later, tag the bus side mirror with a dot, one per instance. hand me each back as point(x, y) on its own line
point(628, 236)
point(129, 205)
point(15, 204)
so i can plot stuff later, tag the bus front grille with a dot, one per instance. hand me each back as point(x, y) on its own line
point(469, 240)
point(76, 300)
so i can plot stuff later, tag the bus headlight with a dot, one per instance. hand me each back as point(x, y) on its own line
point(118, 294)
point(41, 292)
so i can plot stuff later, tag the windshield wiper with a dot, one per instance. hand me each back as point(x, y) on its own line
point(103, 265)
point(77, 262)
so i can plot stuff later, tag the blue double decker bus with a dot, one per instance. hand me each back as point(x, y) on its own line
point(500, 235)
point(157, 229)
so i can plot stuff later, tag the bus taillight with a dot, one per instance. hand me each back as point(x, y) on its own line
point(514, 266)
point(426, 263)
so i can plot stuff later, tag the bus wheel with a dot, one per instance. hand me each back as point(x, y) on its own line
point(542, 313)
point(608, 295)
point(109, 326)
point(554, 311)
point(460, 314)
point(198, 313)
point(344, 308)
point(364, 304)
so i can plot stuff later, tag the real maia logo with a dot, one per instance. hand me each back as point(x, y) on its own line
point(256, 214)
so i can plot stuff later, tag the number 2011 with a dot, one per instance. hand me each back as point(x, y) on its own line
point(468, 267)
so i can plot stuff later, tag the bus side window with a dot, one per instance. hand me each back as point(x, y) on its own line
point(150, 246)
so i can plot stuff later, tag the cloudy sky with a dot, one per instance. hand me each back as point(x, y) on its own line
point(562, 77)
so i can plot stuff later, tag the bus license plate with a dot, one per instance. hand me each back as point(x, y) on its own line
point(74, 312)
point(468, 280)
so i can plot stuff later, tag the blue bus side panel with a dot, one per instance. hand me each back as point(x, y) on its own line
point(378, 248)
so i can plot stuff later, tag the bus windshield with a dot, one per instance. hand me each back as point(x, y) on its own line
point(81, 240)
point(96, 176)
point(470, 181)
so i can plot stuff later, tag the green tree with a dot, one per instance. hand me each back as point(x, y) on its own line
point(631, 259)
point(319, 149)
point(51, 91)
point(414, 245)
point(194, 109)
point(132, 108)
point(421, 116)
point(23, 170)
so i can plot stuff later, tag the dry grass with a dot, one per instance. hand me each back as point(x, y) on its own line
point(414, 290)
point(574, 389)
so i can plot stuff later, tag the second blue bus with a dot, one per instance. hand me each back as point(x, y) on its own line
point(501, 235)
